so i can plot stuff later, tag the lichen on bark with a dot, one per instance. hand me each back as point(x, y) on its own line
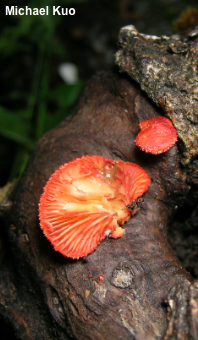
point(167, 70)
point(44, 295)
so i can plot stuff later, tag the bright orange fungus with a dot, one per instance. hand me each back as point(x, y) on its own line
point(157, 135)
point(86, 200)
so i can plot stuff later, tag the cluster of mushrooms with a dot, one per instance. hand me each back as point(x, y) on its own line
point(90, 197)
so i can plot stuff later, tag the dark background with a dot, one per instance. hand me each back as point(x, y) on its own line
point(34, 98)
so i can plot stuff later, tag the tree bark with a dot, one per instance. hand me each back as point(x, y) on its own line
point(145, 292)
point(166, 69)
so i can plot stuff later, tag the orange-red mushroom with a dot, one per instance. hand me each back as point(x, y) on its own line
point(86, 200)
point(157, 135)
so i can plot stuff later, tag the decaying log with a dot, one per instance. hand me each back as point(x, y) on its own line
point(44, 295)
point(167, 70)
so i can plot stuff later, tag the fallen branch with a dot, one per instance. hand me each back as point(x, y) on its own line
point(127, 287)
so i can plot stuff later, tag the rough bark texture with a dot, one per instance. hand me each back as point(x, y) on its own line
point(167, 70)
point(46, 296)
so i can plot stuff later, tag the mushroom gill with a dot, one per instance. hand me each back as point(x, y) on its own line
point(86, 200)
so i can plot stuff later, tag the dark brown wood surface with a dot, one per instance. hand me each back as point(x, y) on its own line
point(44, 295)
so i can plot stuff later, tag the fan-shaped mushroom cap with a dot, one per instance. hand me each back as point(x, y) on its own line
point(157, 135)
point(85, 199)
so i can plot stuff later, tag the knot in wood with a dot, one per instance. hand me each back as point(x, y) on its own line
point(122, 277)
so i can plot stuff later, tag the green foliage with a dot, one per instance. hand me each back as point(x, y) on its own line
point(33, 100)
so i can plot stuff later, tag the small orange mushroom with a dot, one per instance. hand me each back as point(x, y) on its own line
point(86, 200)
point(100, 278)
point(157, 135)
